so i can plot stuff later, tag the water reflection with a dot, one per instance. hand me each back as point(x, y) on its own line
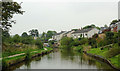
point(62, 59)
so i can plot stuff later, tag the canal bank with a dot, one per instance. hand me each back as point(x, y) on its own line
point(14, 60)
point(101, 59)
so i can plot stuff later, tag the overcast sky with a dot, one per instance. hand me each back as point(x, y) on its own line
point(63, 15)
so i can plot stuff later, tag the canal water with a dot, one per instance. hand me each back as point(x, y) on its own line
point(62, 59)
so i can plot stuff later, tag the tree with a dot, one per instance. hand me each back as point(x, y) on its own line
point(119, 37)
point(24, 34)
point(66, 41)
point(92, 42)
point(34, 33)
point(16, 38)
point(95, 36)
point(39, 43)
point(74, 29)
point(109, 37)
point(49, 34)
point(27, 40)
point(8, 9)
point(105, 26)
point(89, 26)
point(5, 34)
point(43, 37)
point(114, 22)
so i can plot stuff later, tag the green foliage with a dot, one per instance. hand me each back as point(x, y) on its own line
point(27, 40)
point(119, 37)
point(89, 26)
point(4, 64)
point(109, 37)
point(66, 41)
point(34, 33)
point(74, 29)
point(46, 36)
point(113, 51)
point(27, 55)
point(114, 22)
point(78, 42)
point(39, 43)
point(5, 34)
point(102, 43)
point(16, 38)
point(115, 38)
point(8, 9)
point(49, 34)
point(77, 48)
point(95, 36)
point(24, 34)
point(92, 42)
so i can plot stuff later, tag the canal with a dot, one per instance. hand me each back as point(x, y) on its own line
point(62, 59)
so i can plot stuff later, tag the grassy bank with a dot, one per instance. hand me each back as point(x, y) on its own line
point(12, 60)
point(110, 53)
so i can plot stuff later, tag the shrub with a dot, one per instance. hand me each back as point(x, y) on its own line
point(4, 64)
point(95, 36)
point(109, 37)
point(92, 42)
point(102, 43)
point(66, 41)
point(115, 50)
point(27, 55)
point(39, 43)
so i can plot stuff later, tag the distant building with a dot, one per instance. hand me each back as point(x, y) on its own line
point(69, 33)
point(58, 36)
point(87, 33)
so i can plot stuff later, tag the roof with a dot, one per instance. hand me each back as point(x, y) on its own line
point(103, 28)
point(83, 30)
point(68, 32)
point(60, 33)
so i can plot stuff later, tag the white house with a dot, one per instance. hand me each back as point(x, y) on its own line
point(87, 33)
point(69, 33)
point(58, 36)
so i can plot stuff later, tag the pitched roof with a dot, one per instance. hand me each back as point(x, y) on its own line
point(83, 30)
point(60, 33)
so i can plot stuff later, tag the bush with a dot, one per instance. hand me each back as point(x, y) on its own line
point(102, 43)
point(27, 40)
point(78, 42)
point(4, 64)
point(109, 37)
point(27, 55)
point(92, 42)
point(39, 43)
point(95, 36)
point(66, 41)
point(115, 50)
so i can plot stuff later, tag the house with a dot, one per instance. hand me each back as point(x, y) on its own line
point(87, 33)
point(115, 27)
point(58, 36)
point(69, 33)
